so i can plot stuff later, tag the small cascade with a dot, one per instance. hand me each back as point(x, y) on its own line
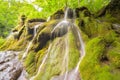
point(66, 57)
point(35, 29)
point(25, 53)
point(48, 19)
point(73, 74)
point(28, 47)
point(63, 22)
point(66, 14)
point(82, 51)
point(43, 62)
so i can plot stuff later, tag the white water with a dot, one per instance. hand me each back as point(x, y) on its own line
point(35, 29)
point(82, 50)
point(48, 19)
point(25, 53)
point(82, 54)
point(64, 21)
point(44, 59)
point(66, 14)
point(66, 57)
point(67, 76)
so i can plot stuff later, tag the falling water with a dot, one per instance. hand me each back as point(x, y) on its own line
point(30, 43)
point(48, 19)
point(82, 51)
point(66, 14)
point(62, 22)
point(35, 29)
point(72, 75)
point(44, 59)
point(66, 58)
point(25, 53)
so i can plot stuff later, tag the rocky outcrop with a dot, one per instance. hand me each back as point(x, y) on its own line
point(10, 66)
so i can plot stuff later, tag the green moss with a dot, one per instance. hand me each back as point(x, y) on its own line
point(73, 51)
point(2, 41)
point(114, 54)
point(91, 67)
point(30, 63)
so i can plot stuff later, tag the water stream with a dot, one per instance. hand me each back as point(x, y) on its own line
point(74, 74)
point(43, 62)
point(30, 43)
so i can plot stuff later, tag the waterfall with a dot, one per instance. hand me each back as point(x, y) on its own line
point(28, 47)
point(66, 14)
point(30, 43)
point(59, 28)
point(70, 75)
point(81, 51)
point(66, 57)
point(64, 21)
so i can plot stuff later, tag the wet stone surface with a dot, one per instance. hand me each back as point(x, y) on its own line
point(10, 66)
point(72, 75)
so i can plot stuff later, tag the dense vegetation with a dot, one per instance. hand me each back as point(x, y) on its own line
point(10, 10)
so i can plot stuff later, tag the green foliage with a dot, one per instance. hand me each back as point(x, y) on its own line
point(10, 10)
point(94, 5)
point(2, 41)
point(90, 67)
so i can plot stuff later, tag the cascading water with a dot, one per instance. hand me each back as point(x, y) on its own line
point(82, 50)
point(66, 57)
point(64, 21)
point(71, 75)
point(25, 53)
point(44, 59)
point(82, 54)
point(28, 47)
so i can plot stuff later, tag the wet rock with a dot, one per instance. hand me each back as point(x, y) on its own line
point(58, 15)
point(116, 27)
point(36, 20)
point(10, 67)
point(72, 75)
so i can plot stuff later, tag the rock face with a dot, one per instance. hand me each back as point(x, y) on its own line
point(10, 66)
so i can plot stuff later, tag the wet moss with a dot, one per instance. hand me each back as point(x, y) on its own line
point(92, 68)
point(30, 63)
point(74, 54)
